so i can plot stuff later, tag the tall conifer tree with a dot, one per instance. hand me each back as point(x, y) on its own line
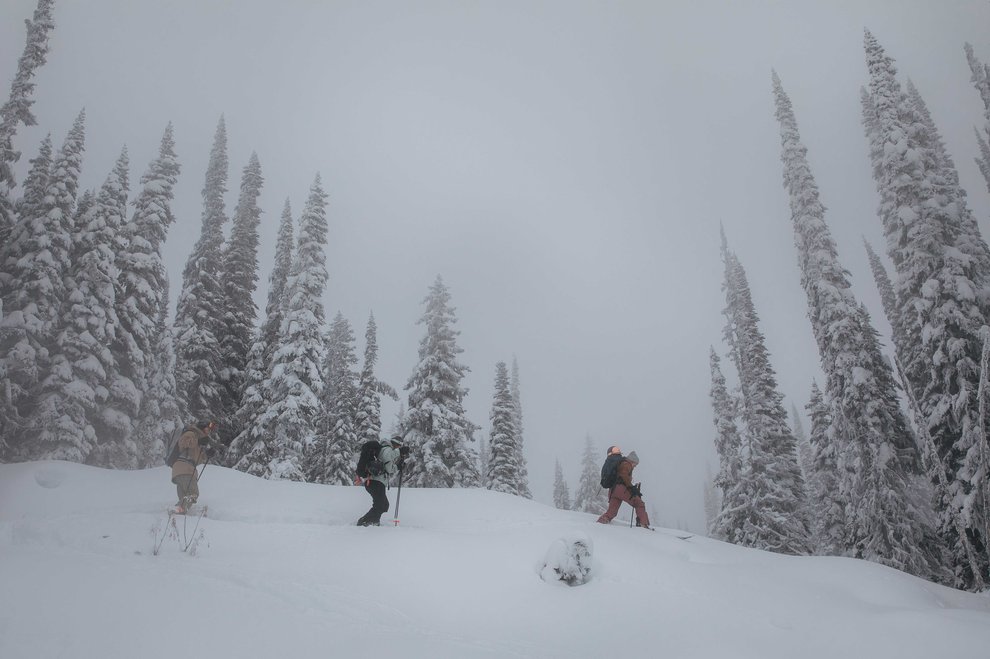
point(259, 365)
point(41, 297)
point(981, 80)
point(238, 280)
point(292, 392)
point(330, 457)
point(878, 460)
point(729, 522)
point(90, 324)
point(200, 307)
point(368, 416)
point(503, 461)
point(521, 457)
point(589, 496)
point(142, 390)
point(18, 358)
point(930, 242)
point(561, 493)
point(17, 109)
point(772, 481)
point(435, 423)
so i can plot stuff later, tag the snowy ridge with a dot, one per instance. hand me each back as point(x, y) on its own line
point(282, 571)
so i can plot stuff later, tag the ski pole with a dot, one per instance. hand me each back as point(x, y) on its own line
point(398, 495)
point(632, 514)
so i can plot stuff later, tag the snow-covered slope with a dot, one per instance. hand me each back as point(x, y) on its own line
point(278, 569)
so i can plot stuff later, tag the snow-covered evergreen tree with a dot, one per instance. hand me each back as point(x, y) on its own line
point(711, 499)
point(436, 426)
point(774, 489)
point(89, 324)
point(368, 415)
point(731, 517)
point(878, 460)
point(503, 455)
point(18, 358)
point(938, 288)
point(239, 279)
point(291, 394)
point(981, 80)
point(17, 109)
point(521, 457)
point(41, 295)
point(590, 496)
point(145, 366)
point(200, 307)
point(259, 366)
point(887, 298)
point(829, 504)
point(159, 410)
point(561, 493)
point(330, 456)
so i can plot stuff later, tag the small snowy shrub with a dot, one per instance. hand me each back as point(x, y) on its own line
point(568, 560)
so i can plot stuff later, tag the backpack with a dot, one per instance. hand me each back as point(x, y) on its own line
point(172, 447)
point(610, 471)
point(368, 463)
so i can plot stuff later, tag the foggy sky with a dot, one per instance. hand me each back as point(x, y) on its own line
point(564, 166)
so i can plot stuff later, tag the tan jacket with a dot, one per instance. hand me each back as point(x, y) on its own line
point(190, 452)
point(623, 473)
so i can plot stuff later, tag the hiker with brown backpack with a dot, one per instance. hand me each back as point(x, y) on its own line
point(617, 477)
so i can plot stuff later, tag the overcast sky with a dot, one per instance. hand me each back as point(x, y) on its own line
point(563, 165)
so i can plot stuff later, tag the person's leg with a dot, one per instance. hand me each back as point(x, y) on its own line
point(641, 517)
point(615, 499)
point(379, 504)
point(193, 494)
point(364, 519)
point(186, 489)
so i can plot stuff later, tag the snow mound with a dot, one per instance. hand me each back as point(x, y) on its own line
point(568, 561)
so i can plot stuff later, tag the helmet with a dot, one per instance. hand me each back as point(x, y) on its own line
point(613, 450)
point(206, 425)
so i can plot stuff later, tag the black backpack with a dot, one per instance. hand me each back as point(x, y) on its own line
point(172, 447)
point(368, 463)
point(610, 470)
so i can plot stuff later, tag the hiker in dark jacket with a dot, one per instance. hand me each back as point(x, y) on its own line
point(195, 448)
point(624, 489)
point(391, 456)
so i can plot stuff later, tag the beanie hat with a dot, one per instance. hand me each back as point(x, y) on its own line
point(632, 457)
point(396, 439)
point(613, 450)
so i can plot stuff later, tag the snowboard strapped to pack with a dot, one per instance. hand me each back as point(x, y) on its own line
point(368, 463)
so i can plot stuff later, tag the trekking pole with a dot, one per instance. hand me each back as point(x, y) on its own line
point(632, 514)
point(398, 495)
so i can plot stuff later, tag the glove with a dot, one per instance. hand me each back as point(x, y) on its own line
point(635, 491)
point(210, 452)
point(404, 451)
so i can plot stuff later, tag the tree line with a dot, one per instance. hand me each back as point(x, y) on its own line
point(95, 371)
point(895, 467)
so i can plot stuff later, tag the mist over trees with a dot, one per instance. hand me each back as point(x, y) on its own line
point(894, 468)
